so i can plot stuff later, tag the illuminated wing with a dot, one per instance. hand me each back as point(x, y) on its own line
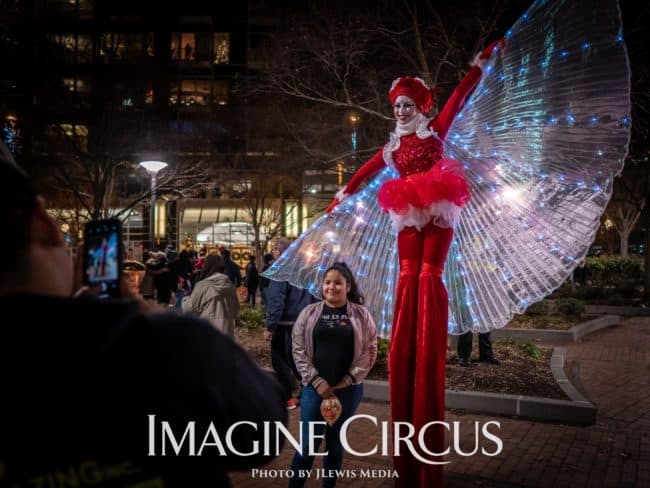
point(358, 233)
point(542, 138)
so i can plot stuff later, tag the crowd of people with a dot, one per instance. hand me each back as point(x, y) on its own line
point(103, 370)
point(109, 380)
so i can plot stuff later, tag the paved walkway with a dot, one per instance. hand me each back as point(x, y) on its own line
point(610, 367)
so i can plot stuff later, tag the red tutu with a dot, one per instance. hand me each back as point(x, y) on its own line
point(444, 181)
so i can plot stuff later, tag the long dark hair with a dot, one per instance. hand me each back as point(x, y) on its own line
point(353, 295)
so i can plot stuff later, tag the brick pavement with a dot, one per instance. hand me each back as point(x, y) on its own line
point(610, 367)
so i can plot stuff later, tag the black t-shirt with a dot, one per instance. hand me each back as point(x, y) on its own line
point(333, 344)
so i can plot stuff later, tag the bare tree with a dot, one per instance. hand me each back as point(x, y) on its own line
point(326, 68)
point(627, 203)
point(267, 198)
point(91, 176)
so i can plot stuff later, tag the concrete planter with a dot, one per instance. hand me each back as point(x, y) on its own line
point(557, 336)
point(575, 411)
point(615, 310)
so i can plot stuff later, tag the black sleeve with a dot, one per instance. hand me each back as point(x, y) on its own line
point(222, 387)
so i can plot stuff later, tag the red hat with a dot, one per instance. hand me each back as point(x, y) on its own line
point(414, 88)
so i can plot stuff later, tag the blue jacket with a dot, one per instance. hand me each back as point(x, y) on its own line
point(284, 302)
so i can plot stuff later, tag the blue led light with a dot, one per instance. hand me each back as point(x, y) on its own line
point(586, 45)
point(564, 53)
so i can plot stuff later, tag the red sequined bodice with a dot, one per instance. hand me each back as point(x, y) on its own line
point(416, 155)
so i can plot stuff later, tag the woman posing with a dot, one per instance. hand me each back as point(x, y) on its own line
point(334, 348)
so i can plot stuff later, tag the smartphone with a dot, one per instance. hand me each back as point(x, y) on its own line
point(103, 251)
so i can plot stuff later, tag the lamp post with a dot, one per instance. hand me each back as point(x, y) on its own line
point(152, 167)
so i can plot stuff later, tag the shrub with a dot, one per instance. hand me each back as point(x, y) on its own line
point(589, 293)
point(570, 306)
point(527, 349)
point(530, 350)
point(566, 290)
point(382, 348)
point(616, 299)
point(539, 308)
point(508, 342)
point(613, 270)
point(251, 318)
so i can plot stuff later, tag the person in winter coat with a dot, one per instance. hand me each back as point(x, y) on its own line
point(252, 280)
point(264, 281)
point(231, 268)
point(215, 297)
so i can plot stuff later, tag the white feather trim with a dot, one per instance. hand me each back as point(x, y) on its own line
point(442, 213)
point(341, 195)
point(477, 61)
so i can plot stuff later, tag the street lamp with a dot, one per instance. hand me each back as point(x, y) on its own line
point(152, 167)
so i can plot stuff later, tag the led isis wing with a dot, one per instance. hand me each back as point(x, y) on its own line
point(541, 139)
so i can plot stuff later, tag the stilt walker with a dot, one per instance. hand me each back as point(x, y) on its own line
point(509, 178)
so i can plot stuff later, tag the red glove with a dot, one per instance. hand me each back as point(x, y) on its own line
point(334, 203)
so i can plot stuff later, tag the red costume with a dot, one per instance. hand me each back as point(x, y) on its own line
point(424, 203)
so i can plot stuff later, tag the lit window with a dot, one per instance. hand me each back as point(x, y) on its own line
point(60, 135)
point(221, 50)
point(183, 45)
point(121, 46)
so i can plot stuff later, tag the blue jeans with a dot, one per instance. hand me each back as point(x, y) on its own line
point(310, 400)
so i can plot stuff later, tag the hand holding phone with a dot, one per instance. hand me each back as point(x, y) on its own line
point(102, 256)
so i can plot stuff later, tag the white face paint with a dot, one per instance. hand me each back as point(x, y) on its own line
point(405, 109)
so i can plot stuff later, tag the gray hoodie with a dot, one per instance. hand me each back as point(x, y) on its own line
point(215, 299)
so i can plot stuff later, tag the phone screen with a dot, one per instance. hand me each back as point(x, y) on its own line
point(103, 256)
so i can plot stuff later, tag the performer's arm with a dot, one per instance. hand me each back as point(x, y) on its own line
point(443, 120)
point(369, 169)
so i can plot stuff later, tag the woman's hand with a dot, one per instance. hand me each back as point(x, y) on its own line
point(334, 203)
point(324, 389)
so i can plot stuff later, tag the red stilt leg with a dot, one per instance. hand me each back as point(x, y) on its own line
point(431, 351)
point(401, 358)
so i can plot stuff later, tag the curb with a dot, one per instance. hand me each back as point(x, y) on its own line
point(617, 310)
point(574, 334)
